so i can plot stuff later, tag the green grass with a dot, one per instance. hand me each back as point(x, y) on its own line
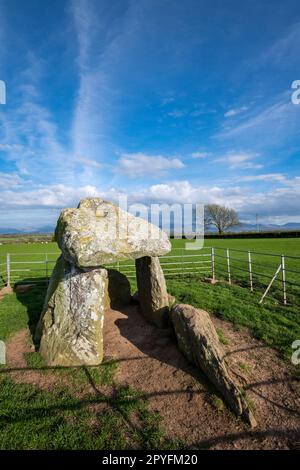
point(100, 375)
point(34, 419)
point(217, 402)
point(275, 324)
point(244, 367)
point(272, 322)
point(67, 416)
point(222, 337)
point(264, 266)
point(20, 311)
point(34, 360)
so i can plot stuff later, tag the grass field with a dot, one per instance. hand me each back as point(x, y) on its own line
point(263, 265)
point(68, 415)
point(276, 324)
point(29, 415)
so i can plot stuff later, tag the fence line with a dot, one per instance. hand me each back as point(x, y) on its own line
point(220, 264)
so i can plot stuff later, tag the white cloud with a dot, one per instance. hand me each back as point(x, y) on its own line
point(9, 180)
point(240, 160)
point(88, 162)
point(277, 177)
point(178, 192)
point(54, 196)
point(235, 111)
point(139, 164)
point(280, 203)
point(200, 154)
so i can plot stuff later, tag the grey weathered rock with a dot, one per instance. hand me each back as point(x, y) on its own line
point(70, 328)
point(199, 342)
point(99, 232)
point(152, 291)
point(119, 291)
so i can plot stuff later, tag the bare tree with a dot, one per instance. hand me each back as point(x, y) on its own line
point(221, 217)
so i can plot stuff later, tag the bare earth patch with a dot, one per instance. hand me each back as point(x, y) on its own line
point(16, 348)
point(150, 361)
point(5, 291)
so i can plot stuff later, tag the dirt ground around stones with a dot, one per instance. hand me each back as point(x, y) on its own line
point(149, 360)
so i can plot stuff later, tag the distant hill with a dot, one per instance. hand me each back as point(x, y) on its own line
point(14, 231)
point(48, 229)
point(263, 227)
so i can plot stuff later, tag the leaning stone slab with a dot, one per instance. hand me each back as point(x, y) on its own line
point(70, 328)
point(199, 342)
point(99, 232)
point(152, 291)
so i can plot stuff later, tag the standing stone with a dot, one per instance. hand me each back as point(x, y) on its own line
point(199, 342)
point(70, 328)
point(152, 291)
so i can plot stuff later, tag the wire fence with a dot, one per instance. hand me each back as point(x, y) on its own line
point(272, 274)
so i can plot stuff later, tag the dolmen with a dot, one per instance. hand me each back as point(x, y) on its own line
point(97, 233)
point(82, 287)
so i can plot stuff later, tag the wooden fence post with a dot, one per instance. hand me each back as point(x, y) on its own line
point(228, 266)
point(46, 266)
point(250, 270)
point(283, 279)
point(8, 270)
point(213, 264)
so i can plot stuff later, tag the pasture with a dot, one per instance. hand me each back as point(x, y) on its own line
point(278, 325)
point(89, 408)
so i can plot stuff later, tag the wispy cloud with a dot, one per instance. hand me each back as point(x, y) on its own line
point(91, 109)
point(240, 160)
point(9, 180)
point(271, 125)
point(281, 51)
point(177, 113)
point(51, 196)
point(29, 133)
point(201, 154)
point(235, 111)
point(87, 162)
point(268, 177)
point(139, 164)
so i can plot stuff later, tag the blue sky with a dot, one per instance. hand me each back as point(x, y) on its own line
point(163, 100)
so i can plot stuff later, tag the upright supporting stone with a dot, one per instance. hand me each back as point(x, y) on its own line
point(152, 291)
point(199, 342)
point(70, 328)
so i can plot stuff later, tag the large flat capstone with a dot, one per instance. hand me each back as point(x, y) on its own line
point(99, 232)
